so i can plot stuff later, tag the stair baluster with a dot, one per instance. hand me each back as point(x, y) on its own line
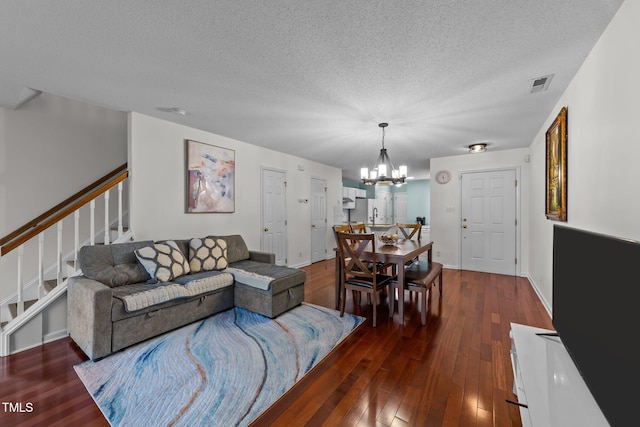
point(41, 265)
point(20, 302)
point(92, 228)
point(107, 228)
point(59, 278)
point(120, 228)
point(76, 238)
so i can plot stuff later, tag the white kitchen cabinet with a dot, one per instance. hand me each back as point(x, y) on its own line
point(348, 193)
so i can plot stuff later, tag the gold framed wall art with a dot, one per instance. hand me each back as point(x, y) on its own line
point(556, 168)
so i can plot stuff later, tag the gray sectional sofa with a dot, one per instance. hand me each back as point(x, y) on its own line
point(121, 300)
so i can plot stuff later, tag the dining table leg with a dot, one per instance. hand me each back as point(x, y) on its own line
point(338, 280)
point(400, 287)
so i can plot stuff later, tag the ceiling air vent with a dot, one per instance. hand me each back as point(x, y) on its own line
point(540, 84)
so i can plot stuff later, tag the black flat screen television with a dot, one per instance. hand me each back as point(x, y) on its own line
point(596, 313)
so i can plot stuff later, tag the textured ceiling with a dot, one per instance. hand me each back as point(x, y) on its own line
point(312, 78)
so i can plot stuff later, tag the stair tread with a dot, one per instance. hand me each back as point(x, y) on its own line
point(13, 307)
point(51, 284)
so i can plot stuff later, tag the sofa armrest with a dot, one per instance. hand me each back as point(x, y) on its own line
point(89, 316)
point(268, 257)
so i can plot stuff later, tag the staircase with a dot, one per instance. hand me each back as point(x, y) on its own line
point(33, 305)
point(49, 285)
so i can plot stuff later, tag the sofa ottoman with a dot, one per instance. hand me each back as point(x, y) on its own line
point(267, 289)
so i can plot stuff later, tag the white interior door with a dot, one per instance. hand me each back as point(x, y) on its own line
point(400, 208)
point(488, 221)
point(318, 219)
point(274, 219)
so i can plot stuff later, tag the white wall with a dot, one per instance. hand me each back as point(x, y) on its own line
point(603, 151)
point(51, 148)
point(445, 200)
point(157, 159)
point(603, 183)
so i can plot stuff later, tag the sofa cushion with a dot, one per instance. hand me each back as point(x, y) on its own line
point(113, 265)
point(207, 254)
point(163, 261)
point(119, 310)
point(283, 277)
point(236, 248)
point(166, 292)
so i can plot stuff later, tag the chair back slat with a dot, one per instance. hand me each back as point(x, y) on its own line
point(409, 230)
point(346, 228)
point(359, 228)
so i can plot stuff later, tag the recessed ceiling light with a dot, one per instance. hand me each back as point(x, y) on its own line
point(477, 148)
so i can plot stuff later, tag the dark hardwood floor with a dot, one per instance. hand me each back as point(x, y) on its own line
point(453, 371)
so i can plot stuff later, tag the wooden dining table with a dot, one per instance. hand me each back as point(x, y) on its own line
point(398, 254)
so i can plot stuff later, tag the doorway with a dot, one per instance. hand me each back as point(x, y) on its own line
point(400, 208)
point(318, 219)
point(489, 221)
point(274, 219)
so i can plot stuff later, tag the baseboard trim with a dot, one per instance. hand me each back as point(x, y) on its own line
point(55, 336)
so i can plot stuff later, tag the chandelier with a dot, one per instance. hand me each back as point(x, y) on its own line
point(383, 172)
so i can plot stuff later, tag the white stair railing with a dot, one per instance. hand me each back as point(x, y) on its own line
point(48, 262)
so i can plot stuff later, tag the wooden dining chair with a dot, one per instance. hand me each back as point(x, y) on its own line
point(359, 228)
point(420, 278)
point(358, 273)
point(409, 231)
point(344, 228)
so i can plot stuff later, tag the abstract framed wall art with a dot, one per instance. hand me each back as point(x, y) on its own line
point(556, 168)
point(211, 174)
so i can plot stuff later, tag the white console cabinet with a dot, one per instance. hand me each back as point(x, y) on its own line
point(548, 382)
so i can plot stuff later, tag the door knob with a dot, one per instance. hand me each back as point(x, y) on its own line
point(464, 226)
point(266, 229)
point(313, 226)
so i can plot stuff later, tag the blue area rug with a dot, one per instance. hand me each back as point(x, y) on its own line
point(222, 371)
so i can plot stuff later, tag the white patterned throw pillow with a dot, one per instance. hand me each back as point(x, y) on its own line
point(207, 254)
point(163, 261)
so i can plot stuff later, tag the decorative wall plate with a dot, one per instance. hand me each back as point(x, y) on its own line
point(443, 176)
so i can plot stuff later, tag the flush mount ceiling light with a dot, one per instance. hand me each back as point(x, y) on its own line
point(477, 148)
point(383, 172)
point(173, 110)
point(179, 111)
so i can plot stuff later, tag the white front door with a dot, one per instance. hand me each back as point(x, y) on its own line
point(274, 219)
point(318, 219)
point(488, 221)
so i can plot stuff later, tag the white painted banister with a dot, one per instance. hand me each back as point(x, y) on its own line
point(43, 263)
